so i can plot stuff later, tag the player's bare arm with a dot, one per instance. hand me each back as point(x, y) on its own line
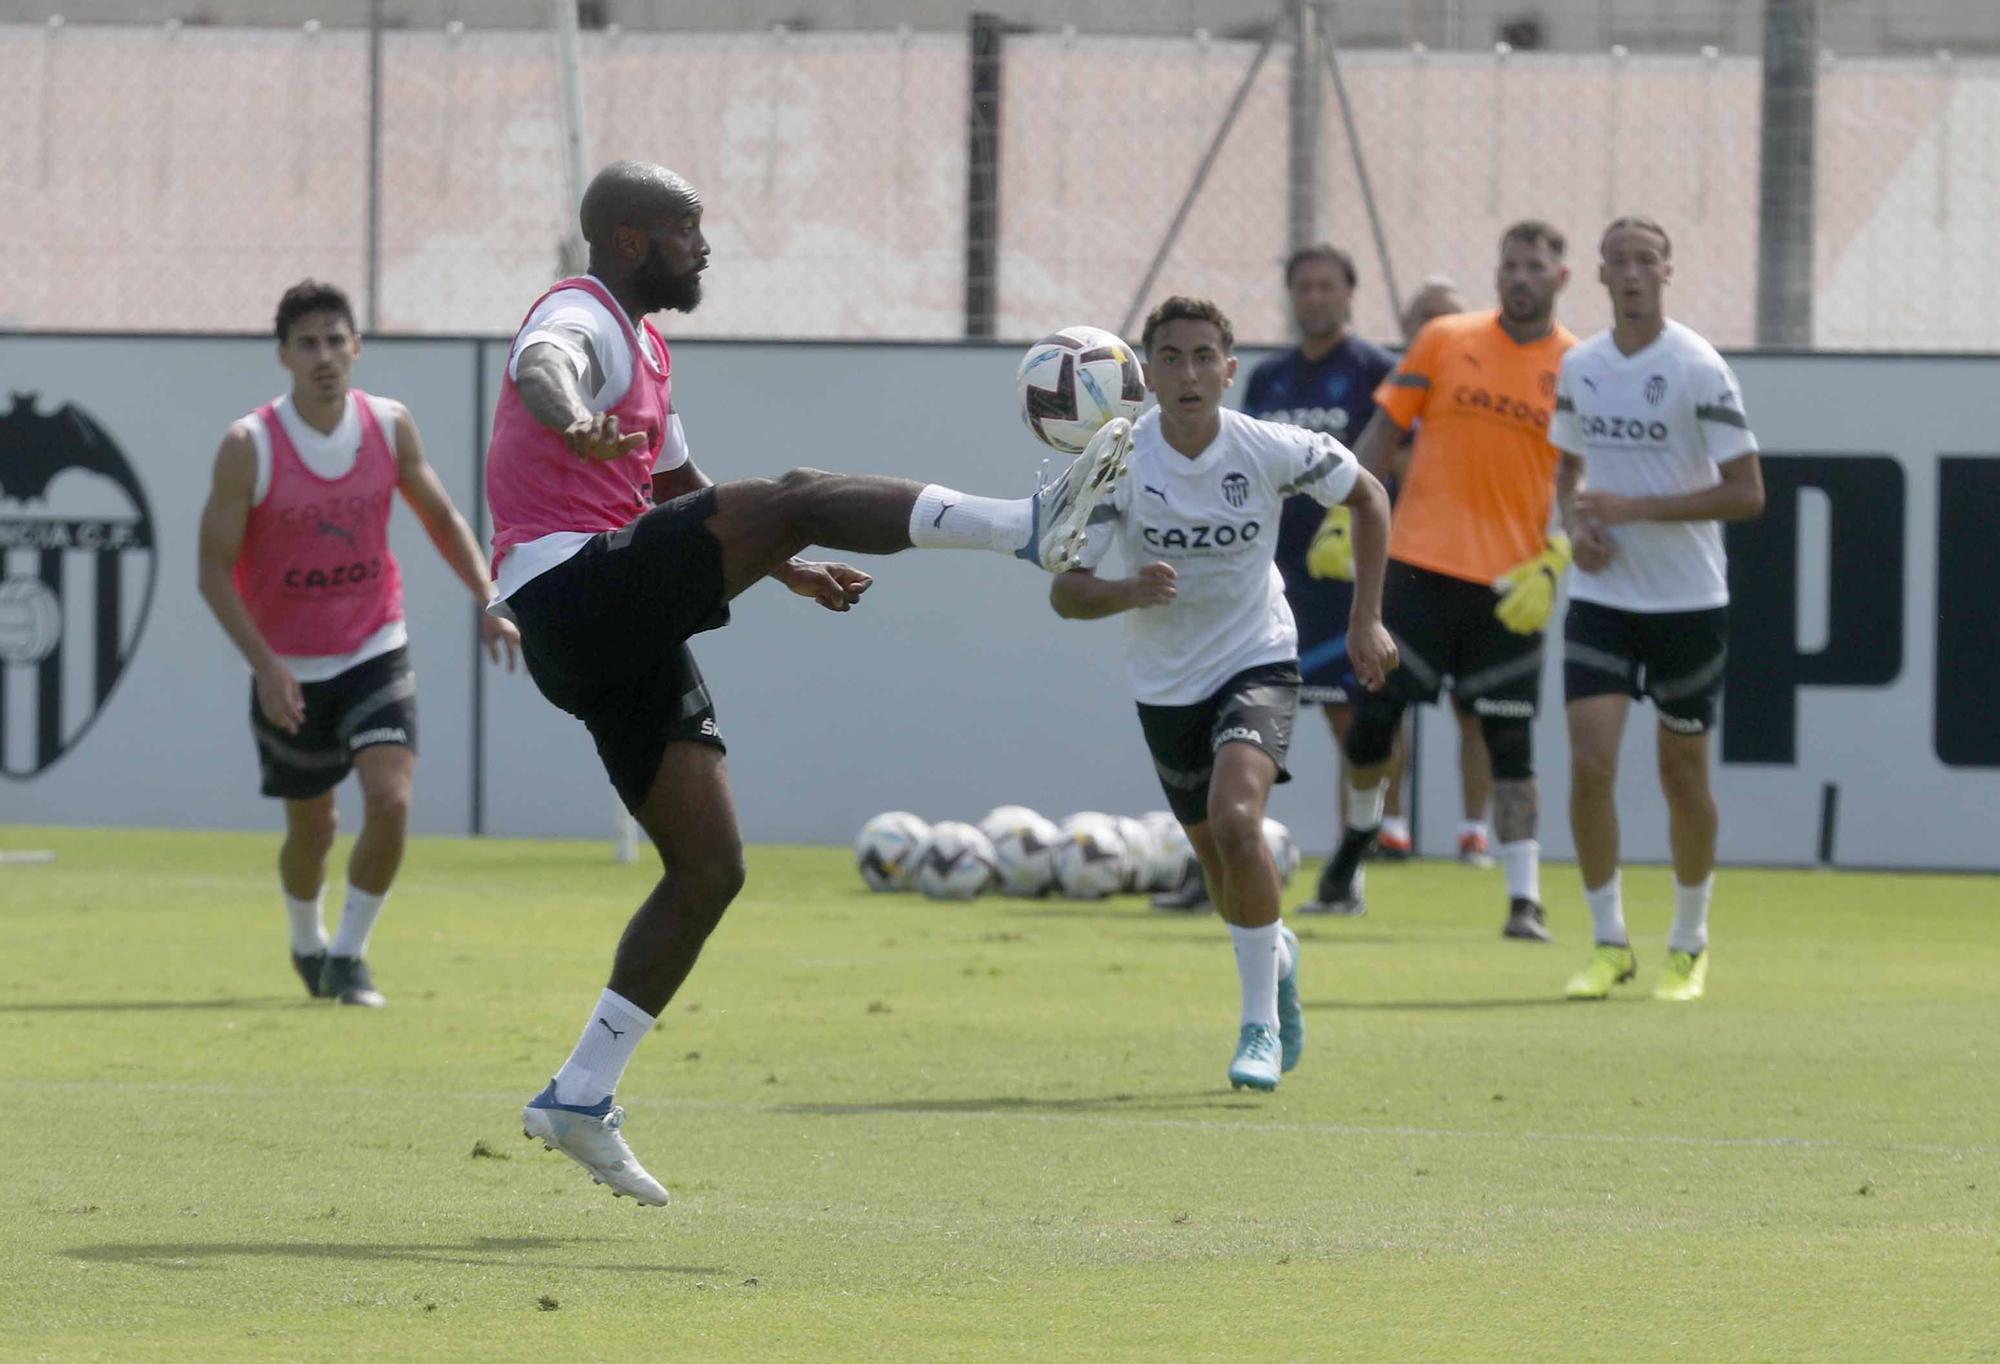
point(1369, 647)
point(1380, 439)
point(1081, 595)
point(419, 484)
point(223, 519)
point(1592, 546)
point(545, 377)
point(1739, 496)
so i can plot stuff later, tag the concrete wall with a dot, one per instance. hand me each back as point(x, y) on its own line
point(954, 689)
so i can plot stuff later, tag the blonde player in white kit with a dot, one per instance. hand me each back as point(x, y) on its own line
point(1657, 453)
point(1211, 650)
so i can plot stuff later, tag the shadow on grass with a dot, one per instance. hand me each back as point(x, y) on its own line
point(1194, 1100)
point(112, 1006)
point(480, 1250)
point(1418, 1006)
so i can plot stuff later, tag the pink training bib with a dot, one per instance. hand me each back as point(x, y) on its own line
point(536, 486)
point(315, 567)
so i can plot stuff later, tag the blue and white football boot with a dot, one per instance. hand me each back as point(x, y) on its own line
point(1291, 1014)
point(590, 1137)
point(1062, 509)
point(1256, 1064)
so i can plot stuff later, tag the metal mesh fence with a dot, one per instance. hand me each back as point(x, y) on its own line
point(168, 177)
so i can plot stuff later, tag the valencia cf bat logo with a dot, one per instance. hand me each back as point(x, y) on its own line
point(78, 563)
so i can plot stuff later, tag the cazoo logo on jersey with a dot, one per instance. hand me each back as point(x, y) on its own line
point(1624, 428)
point(1224, 536)
point(1500, 405)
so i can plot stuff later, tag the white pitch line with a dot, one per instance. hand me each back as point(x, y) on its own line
point(944, 1109)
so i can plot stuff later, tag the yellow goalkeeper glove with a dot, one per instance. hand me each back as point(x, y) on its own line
point(1331, 554)
point(1528, 591)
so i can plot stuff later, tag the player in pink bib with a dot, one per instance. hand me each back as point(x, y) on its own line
point(611, 549)
point(296, 565)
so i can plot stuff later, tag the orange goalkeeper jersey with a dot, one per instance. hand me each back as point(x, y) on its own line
point(1482, 478)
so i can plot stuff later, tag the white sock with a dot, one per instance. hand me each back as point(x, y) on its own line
point(1473, 826)
point(308, 927)
point(945, 518)
point(1691, 916)
point(1396, 826)
point(1523, 861)
point(357, 920)
point(1257, 951)
point(1288, 960)
point(1364, 808)
point(610, 1036)
point(1607, 911)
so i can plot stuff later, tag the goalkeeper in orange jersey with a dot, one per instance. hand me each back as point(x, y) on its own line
point(1473, 569)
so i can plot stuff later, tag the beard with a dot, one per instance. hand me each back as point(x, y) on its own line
point(1531, 308)
point(661, 288)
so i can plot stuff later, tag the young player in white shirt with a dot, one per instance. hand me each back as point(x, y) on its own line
point(1211, 647)
point(1657, 453)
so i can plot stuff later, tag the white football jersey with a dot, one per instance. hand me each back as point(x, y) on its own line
point(1655, 424)
point(1215, 519)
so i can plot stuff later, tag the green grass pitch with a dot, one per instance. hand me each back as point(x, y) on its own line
point(996, 1131)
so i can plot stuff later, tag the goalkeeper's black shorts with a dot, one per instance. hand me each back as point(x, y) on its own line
point(1448, 636)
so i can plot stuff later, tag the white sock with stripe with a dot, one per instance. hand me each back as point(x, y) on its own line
point(1257, 953)
point(944, 518)
point(611, 1034)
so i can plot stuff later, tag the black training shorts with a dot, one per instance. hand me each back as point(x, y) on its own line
point(373, 702)
point(1675, 657)
point(605, 637)
point(1445, 628)
point(1257, 706)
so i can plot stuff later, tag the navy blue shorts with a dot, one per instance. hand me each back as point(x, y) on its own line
point(1320, 608)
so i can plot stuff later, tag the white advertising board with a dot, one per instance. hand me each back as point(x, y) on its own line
point(1860, 643)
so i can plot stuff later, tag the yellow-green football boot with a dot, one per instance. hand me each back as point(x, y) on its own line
point(1610, 964)
point(1686, 977)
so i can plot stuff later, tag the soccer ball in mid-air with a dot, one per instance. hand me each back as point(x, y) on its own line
point(1024, 849)
point(1284, 851)
point(1073, 381)
point(1091, 860)
point(955, 863)
point(885, 850)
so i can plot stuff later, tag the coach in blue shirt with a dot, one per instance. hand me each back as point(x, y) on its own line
point(1326, 383)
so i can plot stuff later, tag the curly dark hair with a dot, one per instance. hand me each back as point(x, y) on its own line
point(1181, 308)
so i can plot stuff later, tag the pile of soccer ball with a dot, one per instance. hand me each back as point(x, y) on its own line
point(1014, 851)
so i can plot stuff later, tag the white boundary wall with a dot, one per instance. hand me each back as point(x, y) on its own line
point(953, 688)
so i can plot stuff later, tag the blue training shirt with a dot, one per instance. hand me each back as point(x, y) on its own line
point(1334, 394)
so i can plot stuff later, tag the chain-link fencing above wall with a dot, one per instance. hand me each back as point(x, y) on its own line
point(178, 176)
